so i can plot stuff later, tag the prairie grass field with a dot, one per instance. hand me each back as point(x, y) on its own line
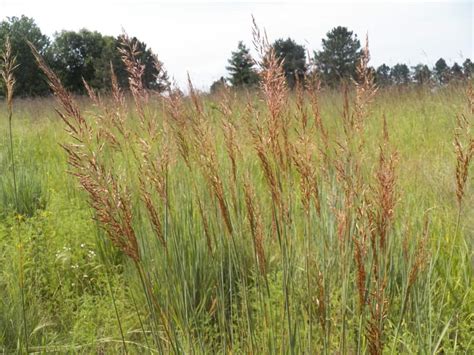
point(269, 221)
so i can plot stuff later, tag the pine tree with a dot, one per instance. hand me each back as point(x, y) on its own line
point(337, 61)
point(294, 60)
point(241, 68)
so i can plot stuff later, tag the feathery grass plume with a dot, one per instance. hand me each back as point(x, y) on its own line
point(381, 218)
point(153, 172)
point(129, 51)
point(301, 112)
point(270, 132)
point(179, 123)
point(161, 74)
point(261, 147)
point(120, 107)
point(7, 69)
point(77, 126)
point(274, 89)
point(108, 198)
point(464, 149)
point(378, 315)
point(96, 101)
point(420, 259)
point(229, 129)
point(303, 153)
point(204, 143)
point(365, 88)
point(303, 158)
point(313, 89)
point(8, 66)
point(104, 119)
point(255, 222)
point(113, 209)
point(360, 239)
point(386, 195)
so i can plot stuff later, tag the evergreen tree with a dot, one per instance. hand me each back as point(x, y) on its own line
point(294, 60)
point(241, 68)
point(338, 59)
point(441, 71)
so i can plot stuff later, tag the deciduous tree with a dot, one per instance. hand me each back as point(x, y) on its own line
point(29, 80)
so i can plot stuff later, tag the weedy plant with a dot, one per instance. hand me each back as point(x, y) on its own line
point(261, 225)
point(8, 68)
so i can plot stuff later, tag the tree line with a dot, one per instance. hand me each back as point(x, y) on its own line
point(89, 55)
point(336, 62)
point(74, 56)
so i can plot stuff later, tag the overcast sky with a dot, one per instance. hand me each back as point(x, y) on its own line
point(199, 36)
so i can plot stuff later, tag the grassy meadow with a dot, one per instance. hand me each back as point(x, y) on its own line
point(261, 222)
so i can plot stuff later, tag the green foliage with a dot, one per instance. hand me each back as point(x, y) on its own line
point(241, 68)
point(468, 68)
point(456, 72)
point(29, 80)
point(441, 71)
point(338, 57)
point(293, 56)
point(88, 55)
point(74, 56)
point(382, 75)
point(217, 300)
point(400, 74)
point(31, 192)
point(154, 76)
point(421, 74)
point(83, 55)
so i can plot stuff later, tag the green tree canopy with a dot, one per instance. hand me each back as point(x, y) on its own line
point(338, 58)
point(456, 72)
point(29, 79)
point(294, 60)
point(241, 68)
point(77, 56)
point(154, 76)
point(400, 74)
point(441, 71)
point(468, 68)
point(382, 75)
point(87, 55)
point(421, 74)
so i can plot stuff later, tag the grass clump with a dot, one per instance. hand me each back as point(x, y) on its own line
point(310, 221)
